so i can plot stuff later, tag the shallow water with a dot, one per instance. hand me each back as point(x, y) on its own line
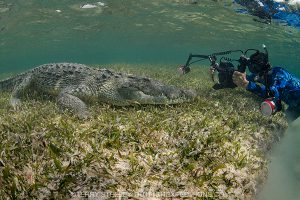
point(134, 31)
point(33, 32)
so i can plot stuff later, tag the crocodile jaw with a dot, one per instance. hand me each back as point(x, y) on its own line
point(154, 92)
point(169, 95)
point(140, 90)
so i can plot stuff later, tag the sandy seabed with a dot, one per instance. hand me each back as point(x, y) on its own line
point(212, 148)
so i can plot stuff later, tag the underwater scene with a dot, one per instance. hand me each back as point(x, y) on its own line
point(140, 99)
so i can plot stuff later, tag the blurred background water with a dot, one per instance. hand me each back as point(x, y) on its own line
point(284, 170)
point(34, 32)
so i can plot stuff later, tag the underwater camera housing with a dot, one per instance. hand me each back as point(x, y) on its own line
point(225, 71)
point(257, 63)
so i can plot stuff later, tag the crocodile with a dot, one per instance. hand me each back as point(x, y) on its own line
point(73, 85)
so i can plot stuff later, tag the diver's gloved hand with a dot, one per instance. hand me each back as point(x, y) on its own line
point(240, 79)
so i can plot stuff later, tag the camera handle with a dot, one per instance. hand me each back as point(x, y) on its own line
point(243, 61)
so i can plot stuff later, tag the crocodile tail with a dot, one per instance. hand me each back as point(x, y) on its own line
point(7, 85)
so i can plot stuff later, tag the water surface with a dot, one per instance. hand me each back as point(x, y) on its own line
point(134, 31)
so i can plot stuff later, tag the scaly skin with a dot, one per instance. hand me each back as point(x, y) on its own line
point(75, 83)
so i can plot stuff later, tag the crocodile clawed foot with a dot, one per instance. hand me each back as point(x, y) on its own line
point(84, 115)
point(74, 104)
point(15, 103)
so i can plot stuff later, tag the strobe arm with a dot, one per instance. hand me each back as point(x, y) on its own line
point(212, 58)
point(184, 69)
point(191, 56)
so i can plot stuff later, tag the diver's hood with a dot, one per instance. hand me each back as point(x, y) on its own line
point(259, 63)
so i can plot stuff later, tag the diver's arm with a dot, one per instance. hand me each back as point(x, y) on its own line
point(257, 89)
point(280, 82)
point(260, 90)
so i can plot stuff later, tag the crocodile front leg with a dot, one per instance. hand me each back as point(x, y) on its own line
point(19, 90)
point(67, 100)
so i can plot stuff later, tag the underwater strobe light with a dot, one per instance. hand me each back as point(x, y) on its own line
point(268, 107)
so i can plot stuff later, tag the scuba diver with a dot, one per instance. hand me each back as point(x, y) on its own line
point(276, 85)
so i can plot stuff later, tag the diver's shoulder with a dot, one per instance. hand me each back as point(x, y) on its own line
point(280, 72)
point(278, 69)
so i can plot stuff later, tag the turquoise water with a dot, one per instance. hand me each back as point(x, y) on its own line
point(33, 32)
point(133, 31)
